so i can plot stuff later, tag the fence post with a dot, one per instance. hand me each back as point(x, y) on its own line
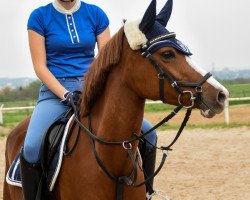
point(227, 118)
point(1, 114)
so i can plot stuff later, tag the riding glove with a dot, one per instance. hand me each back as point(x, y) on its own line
point(71, 97)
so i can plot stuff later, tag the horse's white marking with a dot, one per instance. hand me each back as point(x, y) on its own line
point(211, 80)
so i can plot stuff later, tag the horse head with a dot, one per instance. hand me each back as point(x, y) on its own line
point(164, 69)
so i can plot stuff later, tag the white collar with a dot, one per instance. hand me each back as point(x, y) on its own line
point(62, 10)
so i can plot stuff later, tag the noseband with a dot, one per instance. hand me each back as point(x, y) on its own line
point(177, 85)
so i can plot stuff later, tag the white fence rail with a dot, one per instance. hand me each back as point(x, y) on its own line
point(16, 108)
point(227, 117)
point(12, 109)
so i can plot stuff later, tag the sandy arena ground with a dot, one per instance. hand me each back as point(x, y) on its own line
point(204, 165)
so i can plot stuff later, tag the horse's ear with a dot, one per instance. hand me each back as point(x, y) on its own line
point(149, 17)
point(164, 15)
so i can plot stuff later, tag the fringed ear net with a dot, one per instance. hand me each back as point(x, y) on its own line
point(149, 17)
point(164, 15)
point(134, 31)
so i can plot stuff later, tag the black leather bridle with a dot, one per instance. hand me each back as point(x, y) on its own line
point(177, 85)
point(131, 179)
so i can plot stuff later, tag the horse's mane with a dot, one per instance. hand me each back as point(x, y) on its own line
point(96, 78)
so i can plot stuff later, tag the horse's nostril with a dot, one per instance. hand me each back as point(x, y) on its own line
point(221, 97)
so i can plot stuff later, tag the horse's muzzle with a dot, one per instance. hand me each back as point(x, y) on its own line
point(210, 106)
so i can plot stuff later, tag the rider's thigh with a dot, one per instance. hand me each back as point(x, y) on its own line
point(45, 113)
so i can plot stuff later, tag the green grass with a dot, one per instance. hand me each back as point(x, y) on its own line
point(159, 107)
point(243, 102)
point(18, 103)
point(239, 90)
point(3, 134)
point(12, 118)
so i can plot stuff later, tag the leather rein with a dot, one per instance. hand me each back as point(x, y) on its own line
point(131, 179)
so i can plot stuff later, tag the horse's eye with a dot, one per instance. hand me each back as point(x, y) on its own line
point(168, 55)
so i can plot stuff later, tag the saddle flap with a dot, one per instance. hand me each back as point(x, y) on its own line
point(52, 139)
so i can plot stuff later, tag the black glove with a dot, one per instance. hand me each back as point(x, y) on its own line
point(71, 97)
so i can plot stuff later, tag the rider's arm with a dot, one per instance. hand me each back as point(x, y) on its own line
point(38, 54)
point(103, 38)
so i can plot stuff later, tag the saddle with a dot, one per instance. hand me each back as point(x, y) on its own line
point(52, 139)
point(51, 152)
point(53, 148)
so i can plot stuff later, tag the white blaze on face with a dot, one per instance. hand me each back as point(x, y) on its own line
point(211, 80)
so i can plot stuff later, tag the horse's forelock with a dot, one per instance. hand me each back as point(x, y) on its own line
point(96, 78)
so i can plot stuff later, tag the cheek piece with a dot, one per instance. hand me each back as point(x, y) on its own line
point(195, 98)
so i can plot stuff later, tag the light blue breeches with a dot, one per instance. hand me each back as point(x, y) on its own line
point(47, 110)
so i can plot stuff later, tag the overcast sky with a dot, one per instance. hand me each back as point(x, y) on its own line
point(216, 31)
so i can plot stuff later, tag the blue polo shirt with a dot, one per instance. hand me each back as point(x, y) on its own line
point(69, 38)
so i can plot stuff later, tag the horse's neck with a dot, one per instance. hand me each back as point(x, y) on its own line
point(118, 113)
point(116, 116)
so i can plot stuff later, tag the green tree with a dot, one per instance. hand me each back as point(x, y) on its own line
point(29, 92)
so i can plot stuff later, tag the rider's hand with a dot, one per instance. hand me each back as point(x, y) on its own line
point(69, 96)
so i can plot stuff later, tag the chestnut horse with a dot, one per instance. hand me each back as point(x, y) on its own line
point(115, 90)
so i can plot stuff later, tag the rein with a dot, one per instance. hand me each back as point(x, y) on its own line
point(127, 144)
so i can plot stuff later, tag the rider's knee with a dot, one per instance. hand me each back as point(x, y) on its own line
point(30, 153)
point(151, 137)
